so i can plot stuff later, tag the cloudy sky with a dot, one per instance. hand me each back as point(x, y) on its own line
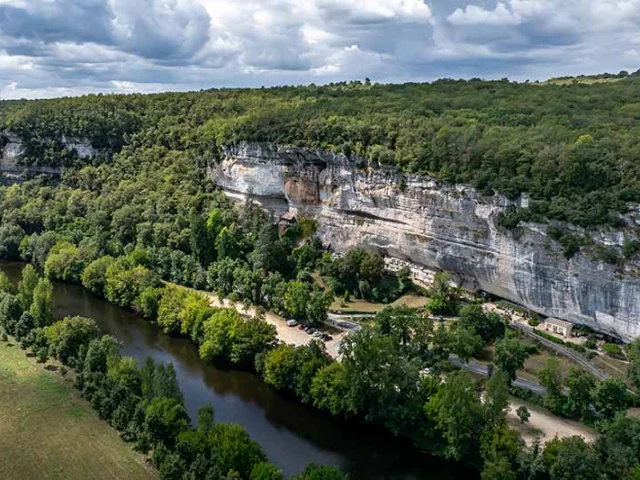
point(70, 47)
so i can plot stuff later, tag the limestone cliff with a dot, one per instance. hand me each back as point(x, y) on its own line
point(450, 228)
point(13, 150)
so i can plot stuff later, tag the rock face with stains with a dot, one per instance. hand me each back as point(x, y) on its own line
point(443, 227)
point(13, 149)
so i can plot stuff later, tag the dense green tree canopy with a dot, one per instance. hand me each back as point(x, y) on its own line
point(569, 146)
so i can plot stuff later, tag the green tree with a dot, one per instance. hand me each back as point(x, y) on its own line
point(227, 244)
point(550, 377)
point(510, 356)
point(252, 336)
point(496, 400)
point(164, 419)
point(6, 286)
point(618, 446)
point(94, 276)
point(265, 471)
point(443, 298)
point(458, 414)
point(488, 325)
point(330, 388)
point(42, 304)
point(27, 286)
point(24, 325)
point(384, 383)
point(170, 307)
point(399, 321)
point(580, 386)
point(67, 336)
point(10, 312)
point(575, 460)
point(634, 363)
point(611, 397)
point(523, 414)
point(202, 244)
point(124, 283)
point(500, 447)
point(320, 472)
point(235, 450)
point(66, 262)
point(280, 367)
point(194, 313)
point(10, 237)
point(297, 298)
point(219, 334)
point(465, 343)
point(270, 254)
point(148, 302)
point(319, 303)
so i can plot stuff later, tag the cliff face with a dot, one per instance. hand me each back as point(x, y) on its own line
point(450, 228)
point(13, 150)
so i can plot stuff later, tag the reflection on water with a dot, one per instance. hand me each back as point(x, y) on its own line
point(291, 434)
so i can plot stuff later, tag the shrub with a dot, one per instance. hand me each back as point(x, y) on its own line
point(612, 350)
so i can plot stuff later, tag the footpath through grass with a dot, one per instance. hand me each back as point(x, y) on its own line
point(47, 431)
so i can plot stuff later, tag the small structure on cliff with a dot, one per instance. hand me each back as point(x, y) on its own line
point(559, 327)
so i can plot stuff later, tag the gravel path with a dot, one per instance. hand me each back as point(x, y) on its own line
point(545, 425)
point(290, 335)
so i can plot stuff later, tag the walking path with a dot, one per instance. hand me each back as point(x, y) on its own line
point(483, 370)
point(541, 423)
point(518, 322)
point(290, 335)
point(545, 426)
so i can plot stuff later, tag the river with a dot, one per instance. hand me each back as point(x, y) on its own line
point(291, 434)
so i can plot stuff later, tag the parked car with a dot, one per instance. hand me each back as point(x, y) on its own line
point(302, 326)
point(311, 330)
point(326, 337)
point(317, 334)
point(292, 323)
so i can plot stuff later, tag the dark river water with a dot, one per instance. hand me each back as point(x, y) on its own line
point(291, 434)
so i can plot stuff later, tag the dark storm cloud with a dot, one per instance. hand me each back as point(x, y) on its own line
point(156, 29)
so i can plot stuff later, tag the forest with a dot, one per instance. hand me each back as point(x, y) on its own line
point(140, 221)
point(571, 147)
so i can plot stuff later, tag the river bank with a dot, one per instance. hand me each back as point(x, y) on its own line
point(291, 434)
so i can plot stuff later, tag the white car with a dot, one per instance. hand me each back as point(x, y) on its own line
point(292, 323)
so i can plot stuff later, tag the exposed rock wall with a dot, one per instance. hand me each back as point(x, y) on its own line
point(13, 150)
point(431, 225)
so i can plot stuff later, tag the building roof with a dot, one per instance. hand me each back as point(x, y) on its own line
point(289, 216)
point(559, 323)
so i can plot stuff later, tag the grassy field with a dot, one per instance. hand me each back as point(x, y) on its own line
point(362, 306)
point(47, 431)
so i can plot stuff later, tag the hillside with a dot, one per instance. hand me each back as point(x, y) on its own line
point(572, 148)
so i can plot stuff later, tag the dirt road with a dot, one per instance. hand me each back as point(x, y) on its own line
point(541, 423)
point(545, 425)
point(290, 335)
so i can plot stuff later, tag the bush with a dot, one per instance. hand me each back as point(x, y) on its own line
point(591, 344)
point(531, 349)
point(612, 350)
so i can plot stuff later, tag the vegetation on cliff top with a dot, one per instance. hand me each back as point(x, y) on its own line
point(572, 147)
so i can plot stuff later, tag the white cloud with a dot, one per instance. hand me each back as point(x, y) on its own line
point(474, 15)
point(61, 47)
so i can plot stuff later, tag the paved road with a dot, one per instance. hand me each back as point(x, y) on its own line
point(562, 350)
point(482, 369)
